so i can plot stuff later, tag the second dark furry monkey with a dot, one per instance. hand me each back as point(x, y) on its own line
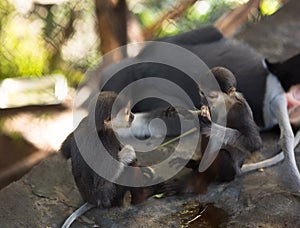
point(239, 116)
point(95, 190)
point(230, 158)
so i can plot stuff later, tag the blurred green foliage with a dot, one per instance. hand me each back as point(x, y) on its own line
point(201, 13)
point(268, 7)
point(32, 43)
point(22, 52)
point(60, 38)
point(21, 49)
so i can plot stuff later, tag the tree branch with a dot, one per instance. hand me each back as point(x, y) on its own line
point(174, 13)
point(228, 23)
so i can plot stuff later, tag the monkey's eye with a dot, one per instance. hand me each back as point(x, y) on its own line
point(212, 94)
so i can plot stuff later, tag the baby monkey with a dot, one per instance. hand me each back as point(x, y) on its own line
point(94, 189)
point(239, 117)
point(241, 137)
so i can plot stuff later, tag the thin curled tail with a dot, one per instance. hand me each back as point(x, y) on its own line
point(80, 211)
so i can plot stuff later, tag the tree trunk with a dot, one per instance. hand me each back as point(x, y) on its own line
point(229, 23)
point(112, 27)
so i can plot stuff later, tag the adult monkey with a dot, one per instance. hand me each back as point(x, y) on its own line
point(264, 85)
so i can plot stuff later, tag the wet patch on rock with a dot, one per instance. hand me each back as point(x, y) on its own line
point(196, 215)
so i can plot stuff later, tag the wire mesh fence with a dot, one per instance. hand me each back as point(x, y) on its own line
point(60, 36)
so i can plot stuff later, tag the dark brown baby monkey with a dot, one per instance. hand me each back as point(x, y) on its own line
point(95, 190)
point(241, 137)
point(239, 116)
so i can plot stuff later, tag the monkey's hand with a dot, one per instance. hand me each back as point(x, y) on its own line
point(148, 172)
point(127, 155)
point(204, 119)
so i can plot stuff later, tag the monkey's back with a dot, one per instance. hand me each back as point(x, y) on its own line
point(93, 188)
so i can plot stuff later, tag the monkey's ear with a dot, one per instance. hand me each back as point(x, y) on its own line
point(128, 105)
point(232, 91)
point(107, 122)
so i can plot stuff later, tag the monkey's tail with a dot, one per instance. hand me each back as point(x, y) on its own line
point(65, 148)
point(80, 211)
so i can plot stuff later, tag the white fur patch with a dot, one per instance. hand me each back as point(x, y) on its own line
point(273, 89)
point(127, 154)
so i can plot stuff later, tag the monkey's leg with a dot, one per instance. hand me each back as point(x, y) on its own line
point(268, 162)
point(139, 194)
point(227, 136)
point(279, 109)
point(238, 158)
point(192, 182)
point(190, 164)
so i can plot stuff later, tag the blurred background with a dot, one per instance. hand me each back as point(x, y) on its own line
point(45, 41)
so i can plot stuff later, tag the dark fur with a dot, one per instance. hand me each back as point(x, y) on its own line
point(215, 50)
point(93, 188)
point(229, 159)
point(244, 62)
point(225, 79)
point(287, 71)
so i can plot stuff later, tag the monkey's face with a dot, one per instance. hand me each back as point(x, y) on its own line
point(123, 119)
point(217, 100)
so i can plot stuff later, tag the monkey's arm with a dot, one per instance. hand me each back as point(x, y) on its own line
point(231, 137)
point(126, 156)
point(226, 136)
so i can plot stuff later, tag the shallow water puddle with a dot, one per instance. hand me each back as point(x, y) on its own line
point(196, 215)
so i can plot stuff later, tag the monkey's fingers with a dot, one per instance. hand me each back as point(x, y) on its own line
point(205, 123)
point(127, 155)
point(148, 172)
point(204, 112)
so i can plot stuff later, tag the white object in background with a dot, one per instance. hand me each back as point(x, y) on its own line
point(45, 90)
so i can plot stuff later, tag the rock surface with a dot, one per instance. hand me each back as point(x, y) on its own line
point(47, 195)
